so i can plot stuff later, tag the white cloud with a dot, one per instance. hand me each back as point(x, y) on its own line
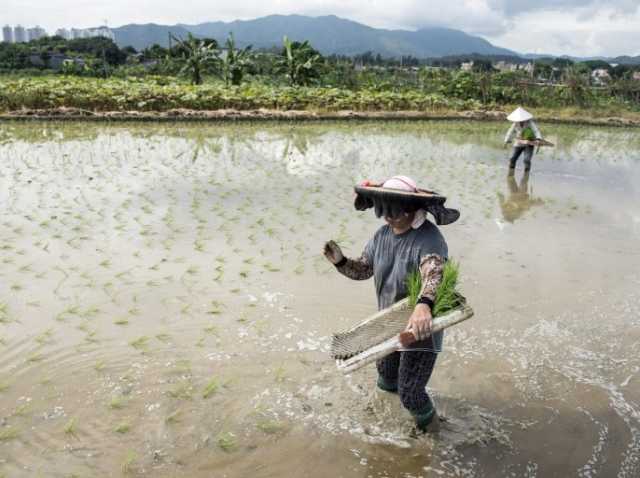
point(577, 27)
point(605, 32)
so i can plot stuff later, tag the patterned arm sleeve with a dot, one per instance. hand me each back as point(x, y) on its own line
point(356, 269)
point(431, 268)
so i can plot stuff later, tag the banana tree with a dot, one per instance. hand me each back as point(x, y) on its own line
point(196, 56)
point(576, 89)
point(234, 61)
point(300, 62)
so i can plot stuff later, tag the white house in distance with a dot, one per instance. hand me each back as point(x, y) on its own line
point(600, 76)
point(466, 66)
point(507, 66)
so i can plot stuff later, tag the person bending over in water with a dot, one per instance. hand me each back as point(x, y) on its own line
point(408, 242)
point(523, 130)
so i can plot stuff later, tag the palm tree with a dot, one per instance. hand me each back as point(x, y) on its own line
point(197, 55)
point(300, 62)
point(235, 61)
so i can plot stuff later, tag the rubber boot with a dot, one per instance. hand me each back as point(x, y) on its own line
point(386, 386)
point(427, 422)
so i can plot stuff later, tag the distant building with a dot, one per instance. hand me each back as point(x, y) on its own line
point(103, 32)
point(600, 76)
point(36, 33)
point(505, 66)
point(19, 34)
point(64, 33)
point(91, 32)
point(529, 68)
point(7, 34)
point(636, 75)
point(466, 66)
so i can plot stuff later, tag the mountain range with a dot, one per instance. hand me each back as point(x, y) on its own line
point(328, 34)
point(332, 35)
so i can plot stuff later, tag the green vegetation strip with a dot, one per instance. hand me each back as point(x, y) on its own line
point(161, 94)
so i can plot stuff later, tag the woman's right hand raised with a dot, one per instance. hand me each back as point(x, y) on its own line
point(332, 252)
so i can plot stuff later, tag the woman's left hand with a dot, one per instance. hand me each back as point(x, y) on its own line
point(420, 321)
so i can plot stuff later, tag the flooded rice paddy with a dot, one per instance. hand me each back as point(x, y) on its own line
point(165, 309)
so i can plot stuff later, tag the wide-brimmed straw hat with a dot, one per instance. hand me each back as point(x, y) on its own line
point(392, 201)
point(519, 115)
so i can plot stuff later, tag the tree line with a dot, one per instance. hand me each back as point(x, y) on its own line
point(299, 64)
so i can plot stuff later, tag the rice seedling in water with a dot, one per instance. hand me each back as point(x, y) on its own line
point(35, 358)
point(216, 308)
point(70, 427)
point(128, 462)
point(91, 337)
point(121, 322)
point(141, 343)
point(270, 267)
point(3, 387)
point(211, 388)
point(8, 433)
point(280, 374)
point(183, 391)
point(4, 313)
point(226, 441)
point(173, 417)
point(21, 410)
point(211, 329)
point(123, 427)
point(270, 427)
point(117, 403)
point(163, 337)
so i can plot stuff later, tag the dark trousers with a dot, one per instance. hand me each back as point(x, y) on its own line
point(409, 373)
point(517, 151)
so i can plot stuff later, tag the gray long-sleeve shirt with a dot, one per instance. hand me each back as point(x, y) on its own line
point(390, 258)
point(515, 131)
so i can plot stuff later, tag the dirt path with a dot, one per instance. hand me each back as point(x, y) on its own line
point(299, 115)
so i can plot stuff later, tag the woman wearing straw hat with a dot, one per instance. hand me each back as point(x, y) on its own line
point(522, 132)
point(408, 242)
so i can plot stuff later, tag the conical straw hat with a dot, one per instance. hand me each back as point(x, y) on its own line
point(519, 114)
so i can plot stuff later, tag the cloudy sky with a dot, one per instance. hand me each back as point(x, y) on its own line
point(572, 27)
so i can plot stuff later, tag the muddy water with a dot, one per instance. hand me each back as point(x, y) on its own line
point(165, 311)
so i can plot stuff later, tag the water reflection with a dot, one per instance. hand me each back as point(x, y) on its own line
point(520, 198)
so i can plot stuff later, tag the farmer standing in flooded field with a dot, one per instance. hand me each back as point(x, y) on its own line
point(522, 132)
point(407, 243)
